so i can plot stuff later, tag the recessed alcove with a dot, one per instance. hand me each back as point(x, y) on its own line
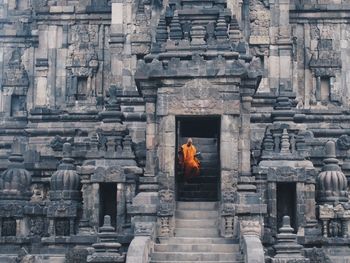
point(286, 203)
point(108, 202)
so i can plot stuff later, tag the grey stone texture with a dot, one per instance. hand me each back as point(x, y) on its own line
point(93, 97)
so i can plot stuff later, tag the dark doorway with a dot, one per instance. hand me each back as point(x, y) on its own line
point(286, 203)
point(205, 134)
point(108, 202)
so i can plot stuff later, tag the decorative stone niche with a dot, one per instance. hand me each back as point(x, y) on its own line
point(15, 86)
point(325, 65)
point(82, 64)
point(332, 197)
point(14, 199)
point(64, 197)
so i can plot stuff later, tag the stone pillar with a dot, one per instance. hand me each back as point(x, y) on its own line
point(41, 94)
point(345, 229)
point(310, 208)
point(272, 206)
point(52, 65)
point(229, 158)
point(116, 42)
point(86, 189)
point(51, 230)
point(121, 211)
point(166, 175)
point(145, 204)
point(325, 227)
point(167, 149)
point(150, 138)
point(245, 134)
point(284, 27)
point(300, 207)
point(95, 216)
point(284, 45)
point(6, 100)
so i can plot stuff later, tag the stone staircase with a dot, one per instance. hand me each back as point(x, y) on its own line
point(205, 186)
point(196, 237)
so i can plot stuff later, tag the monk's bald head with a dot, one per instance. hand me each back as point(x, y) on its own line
point(189, 141)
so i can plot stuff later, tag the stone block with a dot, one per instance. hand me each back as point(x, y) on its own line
point(117, 14)
point(68, 9)
point(56, 9)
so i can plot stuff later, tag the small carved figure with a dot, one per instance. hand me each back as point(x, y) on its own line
point(334, 229)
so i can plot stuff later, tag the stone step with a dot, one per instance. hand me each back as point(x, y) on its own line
point(198, 187)
point(207, 148)
point(199, 141)
point(196, 214)
point(196, 232)
point(192, 256)
point(197, 205)
point(198, 199)
point(215, 248)
point(208, 163)
point(209, 170)
point(162, 261)
point(198, 194)
point(210, 155)
point(197, 240)
point(205, 178)
point(198, 223)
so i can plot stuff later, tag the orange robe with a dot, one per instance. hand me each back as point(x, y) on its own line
point(188, 161)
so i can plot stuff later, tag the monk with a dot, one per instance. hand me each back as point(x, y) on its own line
point(188, 160)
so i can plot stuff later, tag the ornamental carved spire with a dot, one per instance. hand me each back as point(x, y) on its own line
point(331, 182)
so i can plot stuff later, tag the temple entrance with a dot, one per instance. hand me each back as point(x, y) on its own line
point(205, 134)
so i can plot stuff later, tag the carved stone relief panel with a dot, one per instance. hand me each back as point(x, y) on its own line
point(325, 63)
point(259, 16)
point(198, 97)
point(82, 61)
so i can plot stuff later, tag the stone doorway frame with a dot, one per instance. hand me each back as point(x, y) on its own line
point(221, 96)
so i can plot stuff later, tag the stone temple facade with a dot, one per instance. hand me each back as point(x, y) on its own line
point(96, 97)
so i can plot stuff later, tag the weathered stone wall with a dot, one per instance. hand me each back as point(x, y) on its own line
point(67, 74)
